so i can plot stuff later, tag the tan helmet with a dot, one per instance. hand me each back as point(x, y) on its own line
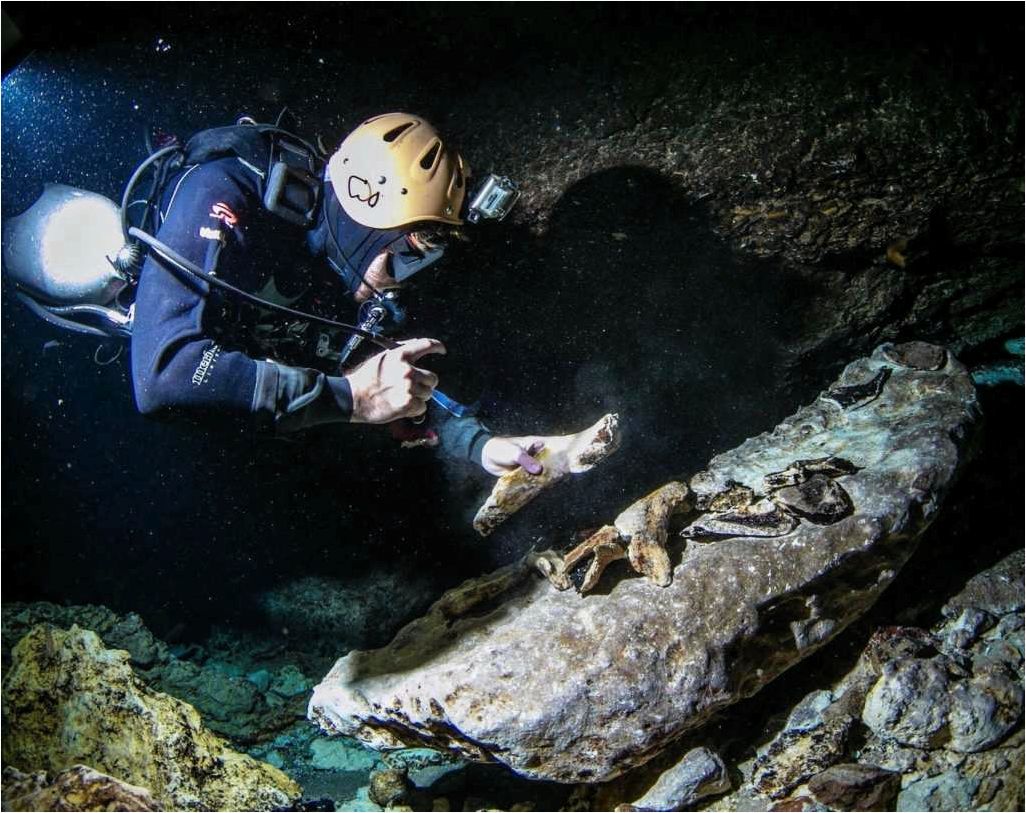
point(395, 170)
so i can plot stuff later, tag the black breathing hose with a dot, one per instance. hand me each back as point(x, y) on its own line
point(190, 268)
point(158, 155)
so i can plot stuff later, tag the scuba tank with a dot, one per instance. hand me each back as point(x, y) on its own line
point(66, 256)
point(74, 255)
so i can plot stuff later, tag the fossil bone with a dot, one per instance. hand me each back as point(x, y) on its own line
point(857, 395)
point(562, 455)
point(605, 545)
point(644, 527)
point(551, 565)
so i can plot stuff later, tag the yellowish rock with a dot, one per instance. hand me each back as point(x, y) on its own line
point(67, 700)
point(78, 788)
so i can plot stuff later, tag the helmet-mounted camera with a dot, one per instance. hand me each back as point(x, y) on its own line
point(493, 199)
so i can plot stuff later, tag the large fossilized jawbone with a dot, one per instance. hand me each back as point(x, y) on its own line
point(562, 455)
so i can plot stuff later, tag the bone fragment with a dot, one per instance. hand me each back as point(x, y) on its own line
point(764, 518)
point(644, 526)
point(562, 455)
point(605, 545)
point(801, 470)
point(550, 565)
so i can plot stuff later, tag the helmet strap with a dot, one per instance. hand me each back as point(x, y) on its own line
point(351, 247)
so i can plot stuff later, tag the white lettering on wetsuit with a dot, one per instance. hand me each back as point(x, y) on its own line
point(206, 363)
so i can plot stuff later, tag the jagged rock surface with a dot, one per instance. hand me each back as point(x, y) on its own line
point(78, 788)
point(506, 668)
point(825, 754)
point(231, 705)
point(126, 632)
point(67, 700)
point(699, 774)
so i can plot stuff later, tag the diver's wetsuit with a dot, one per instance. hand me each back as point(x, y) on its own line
point(183, 359)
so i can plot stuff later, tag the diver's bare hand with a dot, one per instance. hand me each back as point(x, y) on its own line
point(388, 386)
point(501, 455)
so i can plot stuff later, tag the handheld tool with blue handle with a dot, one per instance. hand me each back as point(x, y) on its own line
point(375, 313)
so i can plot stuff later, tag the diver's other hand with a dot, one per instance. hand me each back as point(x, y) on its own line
point(388, 386)
point(501, 455)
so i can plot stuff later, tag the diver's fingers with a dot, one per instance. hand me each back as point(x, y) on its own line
point(413, 349)
point(501, 455)
point(417, 407)
point(531, 444)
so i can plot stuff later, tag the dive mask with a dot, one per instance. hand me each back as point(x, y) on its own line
point(412, 253)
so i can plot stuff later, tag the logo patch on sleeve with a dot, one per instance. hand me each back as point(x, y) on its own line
point(222, 212)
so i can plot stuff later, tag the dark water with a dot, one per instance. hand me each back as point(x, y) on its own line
point(625, 301)
point(622, 300)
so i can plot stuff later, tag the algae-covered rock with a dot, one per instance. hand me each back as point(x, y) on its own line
point(230, 704)
point(389, 787)
point(78, 788)
point(813, 739)
point(576, 689)
point(342, 755)
point(67, 700)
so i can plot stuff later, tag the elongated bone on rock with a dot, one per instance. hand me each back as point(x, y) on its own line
point(562, 455)
point(644, 526)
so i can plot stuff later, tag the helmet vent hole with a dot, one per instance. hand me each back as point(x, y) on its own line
point(403, 191)
point(395, 132)
point(428, 159)
point(382, 179)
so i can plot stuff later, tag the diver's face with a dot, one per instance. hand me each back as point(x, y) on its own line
point(377, 277)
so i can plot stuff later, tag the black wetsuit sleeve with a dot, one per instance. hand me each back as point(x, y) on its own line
point(177, 365)
point(460, 438)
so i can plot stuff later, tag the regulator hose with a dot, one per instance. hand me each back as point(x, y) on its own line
point(140, 170)
point(190, 268)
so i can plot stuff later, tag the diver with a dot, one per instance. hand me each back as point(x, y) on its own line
point(223, 212)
